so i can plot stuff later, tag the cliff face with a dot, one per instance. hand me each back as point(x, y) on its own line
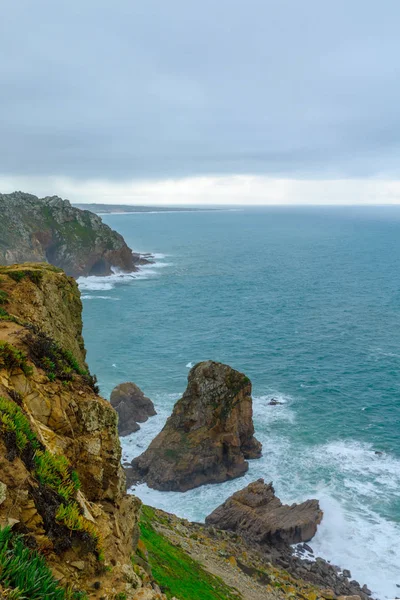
point(63, 504)
point(51, 230)
point(61, 482)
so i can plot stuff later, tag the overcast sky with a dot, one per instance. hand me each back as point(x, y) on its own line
point(211, 101)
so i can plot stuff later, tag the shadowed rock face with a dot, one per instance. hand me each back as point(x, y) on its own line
point(50, 230)
point(132, 407)
point(257, 514)
point(208, 437)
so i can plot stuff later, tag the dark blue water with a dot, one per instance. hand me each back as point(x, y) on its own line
point(306, 302)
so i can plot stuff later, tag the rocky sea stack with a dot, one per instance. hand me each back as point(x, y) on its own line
point(209, 436)
point(132, 406)
point(51, 230)
point(257, 514)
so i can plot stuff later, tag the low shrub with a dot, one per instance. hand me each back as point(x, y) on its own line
point(55, 361)
point(3, 297)
point(11, 358)
point(55, 471)
point(35, 276)
point(13, 420)
point(50, 470)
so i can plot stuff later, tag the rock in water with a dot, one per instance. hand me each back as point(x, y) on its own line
point(132, 407)
point(257, 514)
point(208, 437)
point(51, 230)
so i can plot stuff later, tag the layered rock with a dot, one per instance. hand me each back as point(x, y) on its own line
point(257, 514)
point(50, 412)
point(209, 436)
point(51, 230)
point(132, 406)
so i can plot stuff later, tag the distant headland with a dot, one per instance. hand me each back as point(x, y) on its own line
point(129, 208)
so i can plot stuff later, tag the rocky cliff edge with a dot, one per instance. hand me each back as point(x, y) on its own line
point(51, 230)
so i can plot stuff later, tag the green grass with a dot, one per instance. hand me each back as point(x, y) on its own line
point(3, 297)
point(11, 358)
point(24, 572)
point(175, 571)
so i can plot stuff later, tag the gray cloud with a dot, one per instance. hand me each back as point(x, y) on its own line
point(156, 88)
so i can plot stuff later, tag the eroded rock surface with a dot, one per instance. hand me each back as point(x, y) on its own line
point(209, 436)
point(51, 230)
point(257, 514)
point(68, 420)
point(132, 406)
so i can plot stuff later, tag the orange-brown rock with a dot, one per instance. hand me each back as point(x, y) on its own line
point(209, 435)
point(259, 516)
point(70, 419)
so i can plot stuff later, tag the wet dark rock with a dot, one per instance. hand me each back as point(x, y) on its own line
point(346, 573)
point(132, 407)
point(274, 402)
point(256, 513)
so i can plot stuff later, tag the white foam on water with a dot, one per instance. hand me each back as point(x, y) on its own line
point(89, 297)
point(95, 284)
point(189, 365)
point(356, 489)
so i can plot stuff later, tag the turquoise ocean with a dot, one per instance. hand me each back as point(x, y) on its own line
point(306, 302)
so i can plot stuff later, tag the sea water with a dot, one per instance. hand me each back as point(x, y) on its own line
point(306, 302)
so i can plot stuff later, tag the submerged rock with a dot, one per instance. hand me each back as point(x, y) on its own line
point(257, 514)
point(132, 407)
point(208, 437)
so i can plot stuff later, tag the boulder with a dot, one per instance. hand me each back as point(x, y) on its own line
point(208, 437)
point(258, 515)
point(132, 406)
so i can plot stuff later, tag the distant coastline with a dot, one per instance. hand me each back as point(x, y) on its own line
point(127, 208)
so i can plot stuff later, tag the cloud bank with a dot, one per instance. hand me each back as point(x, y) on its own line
point(250, 190)
point(159, 91)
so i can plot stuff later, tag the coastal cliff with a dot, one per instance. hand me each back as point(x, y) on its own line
point(51, 230)
point(68, 529)
point(62, 488)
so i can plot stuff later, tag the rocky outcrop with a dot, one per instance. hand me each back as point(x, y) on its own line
point(51, 230)
point(61, 480)
point(132, 406)
point(268, 572)
point(257, 514)
point(42, 296)
point(208, 437)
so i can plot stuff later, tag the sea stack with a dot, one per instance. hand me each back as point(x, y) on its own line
point(132, 406)
point(209, 436)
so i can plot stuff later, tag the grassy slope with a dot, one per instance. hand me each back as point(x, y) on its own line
point(175, 572)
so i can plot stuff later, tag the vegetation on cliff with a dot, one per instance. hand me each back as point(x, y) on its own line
point(174, 570)
point(51, 230)
point(68, 530)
